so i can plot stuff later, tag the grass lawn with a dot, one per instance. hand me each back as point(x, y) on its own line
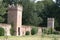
point(35, 37)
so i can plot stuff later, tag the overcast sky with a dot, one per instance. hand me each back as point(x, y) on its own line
point(40, 0)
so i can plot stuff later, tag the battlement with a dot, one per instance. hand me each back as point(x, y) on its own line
point(15, 7)
point(50, 19)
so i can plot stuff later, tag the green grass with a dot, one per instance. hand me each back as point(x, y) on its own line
point(34, 37)
point(21, 37)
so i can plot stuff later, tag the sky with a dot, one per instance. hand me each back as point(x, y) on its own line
point(40, 0)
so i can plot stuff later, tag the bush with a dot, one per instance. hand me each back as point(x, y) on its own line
point(27, 32)
point(34, 30)
point(12, 31)
point(56, 32)
point(48, 31)
point(44, 30)
point(57, 28)
point(2, 31)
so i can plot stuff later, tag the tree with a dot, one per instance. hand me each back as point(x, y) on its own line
point(46, 9)
point(29, 14)
point(11, 1)
point(40, 10)
point(2, 12)
point(35, 20)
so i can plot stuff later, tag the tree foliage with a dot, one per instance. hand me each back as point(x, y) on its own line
point(2, 12)
point(29, 13)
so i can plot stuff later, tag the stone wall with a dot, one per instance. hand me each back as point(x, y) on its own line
point(24, 28)
point(6, 28)
point(29, 28)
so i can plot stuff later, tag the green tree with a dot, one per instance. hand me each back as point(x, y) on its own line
point(46, 9)
point(29, 13)
point(2, 12)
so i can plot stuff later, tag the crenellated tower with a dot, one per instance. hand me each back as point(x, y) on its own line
point(15, 17)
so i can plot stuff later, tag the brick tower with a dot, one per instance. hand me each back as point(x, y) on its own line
point(15, 17)
point(50, 22)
